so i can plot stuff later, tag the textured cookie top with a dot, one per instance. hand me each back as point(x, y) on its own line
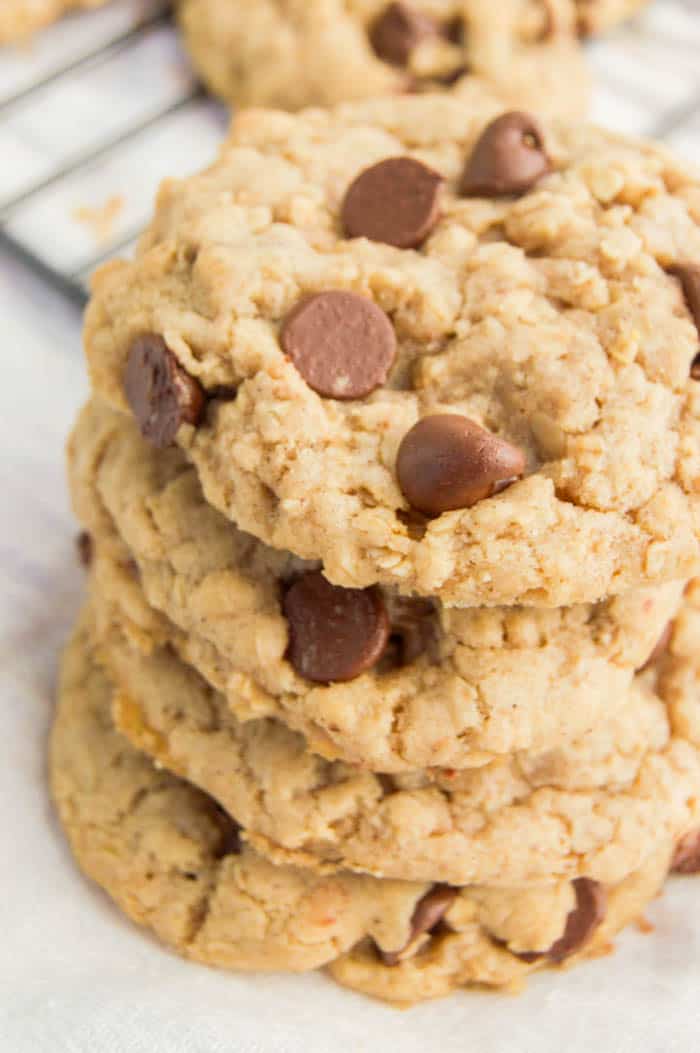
point(593, 807)
point(372, 678)
point(545, 314)
point(297, 53)
point(173, 862)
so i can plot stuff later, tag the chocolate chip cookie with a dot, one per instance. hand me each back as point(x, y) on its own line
point(320, 52)
point(592, 807)
point(175, 863)
point(369, 677)
point(310, 363)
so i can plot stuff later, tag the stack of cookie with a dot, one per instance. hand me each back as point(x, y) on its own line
point(391, 479)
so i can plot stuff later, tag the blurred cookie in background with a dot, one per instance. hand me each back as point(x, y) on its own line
point(306, 52)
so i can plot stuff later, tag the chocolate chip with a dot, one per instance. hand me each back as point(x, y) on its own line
point(689, 276)
point(660, 647)
point(446, 461)
point(509, 158)
point(415, 629)
point(342, 344)
point(162, 396)
point(84, 545)
point(581, 923)
point(230, 842)
point(687, 856)
point(396, 202)
point(334, 634)
point(223, 392)
point(398, 30)
point(455, 30)
point(428, 913)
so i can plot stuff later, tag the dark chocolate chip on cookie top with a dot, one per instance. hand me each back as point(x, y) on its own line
point(446, 462)
point(396, 202)
point(161, 394)
point(342, 344)
point(508, 158)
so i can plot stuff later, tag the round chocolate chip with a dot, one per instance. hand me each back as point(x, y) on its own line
point(687, 856)
point(590, 910)
point(689, 276)
point(447, 461)
point(398, 30)
point(396, 202)
point(509, 158)
point(162, 396)
point(334, 634)
point(342, 344)
point(429, 911)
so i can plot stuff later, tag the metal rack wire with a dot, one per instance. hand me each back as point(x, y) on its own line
point(104, 105)
point(92, 118)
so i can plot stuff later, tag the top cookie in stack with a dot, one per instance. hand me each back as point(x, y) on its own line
point(449, 352)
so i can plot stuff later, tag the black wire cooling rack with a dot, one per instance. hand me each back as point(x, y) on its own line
point(102, 106)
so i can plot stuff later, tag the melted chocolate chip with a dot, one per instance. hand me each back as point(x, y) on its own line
point(396, 202)
point(428, 913)
point(689, 276)
point(509, 158)
point(687, 856)
point(335, 634)
point(446, 461)
point(581, 923)
point(162, 396)
point(342, 344)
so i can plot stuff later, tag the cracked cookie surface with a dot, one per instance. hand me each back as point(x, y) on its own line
point(454, 687)
point(549, 320)
point(170, 859)
point(320, 52)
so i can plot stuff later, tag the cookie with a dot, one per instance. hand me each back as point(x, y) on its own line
point(321, 52)
point(597, 16)
point(173, 862)
point(593, 807)
point(552, 323)
point(450, 687)
point(20, 18)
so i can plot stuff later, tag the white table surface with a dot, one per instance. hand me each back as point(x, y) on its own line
point(74, 976)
